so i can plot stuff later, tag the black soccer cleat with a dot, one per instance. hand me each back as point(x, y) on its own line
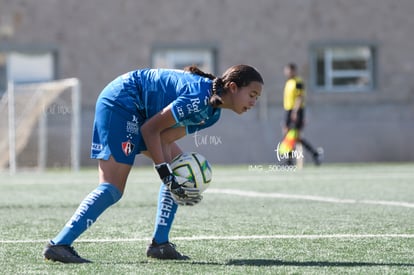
point(63, 253)
point(164, 251)
point(318, 156)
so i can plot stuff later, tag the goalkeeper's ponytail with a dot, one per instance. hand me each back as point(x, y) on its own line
point(217, 90)
point(215, 99)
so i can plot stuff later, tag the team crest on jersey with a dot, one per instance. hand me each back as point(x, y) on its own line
point(128, 147)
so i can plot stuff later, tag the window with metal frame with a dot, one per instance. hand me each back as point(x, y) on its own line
point(20, 66)
point(178, 57)
point(343, 68)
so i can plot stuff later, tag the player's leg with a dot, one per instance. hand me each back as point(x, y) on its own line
point(112, 183)
point(316, 154)
point(160, 247)
point(108, 145)
point(166, 207)
point(288, 124)
point(112, 179)
point(108, 192)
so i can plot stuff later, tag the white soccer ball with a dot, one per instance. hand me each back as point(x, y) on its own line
point(193, 167)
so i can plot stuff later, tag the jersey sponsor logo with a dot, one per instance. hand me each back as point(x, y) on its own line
point(83, 207)
point(166, 205)
point(194, 106)
point(128, 147)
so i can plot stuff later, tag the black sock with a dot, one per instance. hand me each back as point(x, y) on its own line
point(308, 147)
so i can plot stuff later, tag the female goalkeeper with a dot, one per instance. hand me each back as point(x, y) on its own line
point(146, 111)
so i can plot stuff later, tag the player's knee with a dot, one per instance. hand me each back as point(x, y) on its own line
point(115, 192)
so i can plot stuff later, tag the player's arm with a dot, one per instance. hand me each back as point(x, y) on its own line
point(299, 99)
point(151, 132)
point(296, 107)
point(169, 147)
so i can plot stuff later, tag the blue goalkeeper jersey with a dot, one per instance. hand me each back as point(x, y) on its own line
point(146, 92)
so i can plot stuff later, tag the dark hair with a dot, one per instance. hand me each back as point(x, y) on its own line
point(292, 66)
point(242, 75)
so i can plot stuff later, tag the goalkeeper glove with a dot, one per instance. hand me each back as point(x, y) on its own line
point(188, 201)
point(177, 190)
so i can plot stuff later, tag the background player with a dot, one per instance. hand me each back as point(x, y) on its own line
point(146, 111)
point(294, 105)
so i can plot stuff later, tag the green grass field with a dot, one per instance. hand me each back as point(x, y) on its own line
point(334, 219)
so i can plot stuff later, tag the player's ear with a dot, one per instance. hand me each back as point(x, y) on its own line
point(232, 87)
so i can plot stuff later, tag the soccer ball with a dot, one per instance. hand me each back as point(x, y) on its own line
point(194, 167)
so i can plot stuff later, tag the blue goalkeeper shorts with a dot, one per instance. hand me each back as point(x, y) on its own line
point(116, 132)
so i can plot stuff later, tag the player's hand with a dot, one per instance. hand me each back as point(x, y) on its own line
point(294, 115)
point(177, 190)
point(188, 201)
point(188, 186)
point(180, 191)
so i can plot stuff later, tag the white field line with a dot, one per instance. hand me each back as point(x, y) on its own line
point(306, 197)
point(234, 238)
point(258, 237)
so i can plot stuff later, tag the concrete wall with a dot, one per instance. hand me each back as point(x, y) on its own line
point(100, 39)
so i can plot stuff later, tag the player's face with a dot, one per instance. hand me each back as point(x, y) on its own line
point(244, 98)
point(288, 72)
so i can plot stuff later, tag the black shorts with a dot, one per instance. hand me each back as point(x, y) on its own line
point(299, 123)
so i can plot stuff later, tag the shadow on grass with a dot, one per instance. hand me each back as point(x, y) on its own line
point(269, 262)
point(266, 262)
